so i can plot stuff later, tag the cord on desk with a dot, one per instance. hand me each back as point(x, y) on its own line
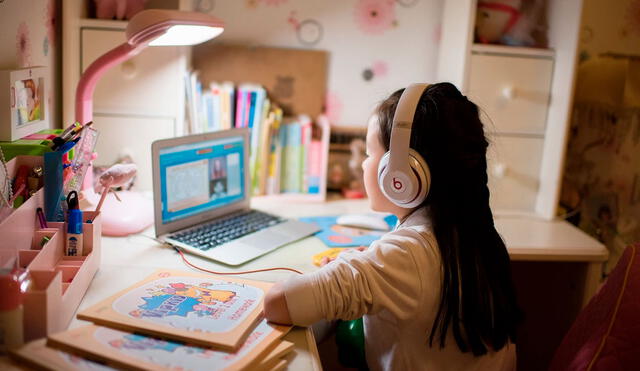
point(231, 273)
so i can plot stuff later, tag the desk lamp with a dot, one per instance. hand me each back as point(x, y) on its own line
point(152, 27)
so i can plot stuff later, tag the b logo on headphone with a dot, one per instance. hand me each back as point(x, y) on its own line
point(397, 185)
point(403, 175)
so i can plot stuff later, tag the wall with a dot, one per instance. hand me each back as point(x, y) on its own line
point(602, 177)
point(375, 46)
point(30, 37)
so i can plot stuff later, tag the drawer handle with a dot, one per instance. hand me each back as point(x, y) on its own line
point(499, 170)
point(509, 92)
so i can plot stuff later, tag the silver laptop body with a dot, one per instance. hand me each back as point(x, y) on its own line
point(204, 179)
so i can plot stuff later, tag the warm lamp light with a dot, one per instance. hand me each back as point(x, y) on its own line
point(153, 27)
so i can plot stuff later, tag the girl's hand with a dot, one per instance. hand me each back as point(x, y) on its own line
point(326, 260)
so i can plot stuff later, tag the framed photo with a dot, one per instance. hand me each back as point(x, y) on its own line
point(23, 102)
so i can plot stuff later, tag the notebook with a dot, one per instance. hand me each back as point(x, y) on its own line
point(201, 199)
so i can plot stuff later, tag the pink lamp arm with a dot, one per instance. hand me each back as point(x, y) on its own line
point(90, 77)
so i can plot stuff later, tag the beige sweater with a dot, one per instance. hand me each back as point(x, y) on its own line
point(395, 285)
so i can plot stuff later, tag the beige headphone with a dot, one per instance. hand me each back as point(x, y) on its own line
point(403, 175)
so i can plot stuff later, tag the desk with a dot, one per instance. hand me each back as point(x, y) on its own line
point(128, 260)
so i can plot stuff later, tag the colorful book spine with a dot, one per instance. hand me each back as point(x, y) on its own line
point(239, 107)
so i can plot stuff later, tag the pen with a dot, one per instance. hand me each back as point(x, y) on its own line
point(41, 219)
point(68, 145)
point(68, 133)
point(20, 185)
point(74, 226)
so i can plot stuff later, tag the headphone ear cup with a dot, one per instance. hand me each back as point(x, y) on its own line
point(422, 173)
point(382, 171)
point(420, 180)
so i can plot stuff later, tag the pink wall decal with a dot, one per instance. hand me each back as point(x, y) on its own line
point(375, 16)
point(23, 45)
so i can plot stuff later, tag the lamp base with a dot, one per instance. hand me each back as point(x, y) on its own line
point(133, 215)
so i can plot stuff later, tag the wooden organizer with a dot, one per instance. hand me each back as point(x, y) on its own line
point(58, 282)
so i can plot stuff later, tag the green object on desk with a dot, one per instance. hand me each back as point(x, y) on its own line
point(350, 342)
point(33, 147)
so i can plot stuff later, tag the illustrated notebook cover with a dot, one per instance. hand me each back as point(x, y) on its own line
point(133, 351)
point(195, 308)
point(334, 235)
point(37, 354)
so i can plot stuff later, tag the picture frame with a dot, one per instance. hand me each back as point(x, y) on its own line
point(24, 107)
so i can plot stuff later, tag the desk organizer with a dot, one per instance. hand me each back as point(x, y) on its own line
point(58, 282)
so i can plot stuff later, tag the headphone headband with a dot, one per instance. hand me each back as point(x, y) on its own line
point(401, 127)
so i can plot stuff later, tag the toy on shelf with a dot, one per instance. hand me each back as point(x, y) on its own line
point(356, 184)
point(511, 22)
point(118, 9)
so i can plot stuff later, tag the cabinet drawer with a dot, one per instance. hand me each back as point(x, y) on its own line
point(513, 91)
point(132, 136)
point(150, 83)
point(513, 166)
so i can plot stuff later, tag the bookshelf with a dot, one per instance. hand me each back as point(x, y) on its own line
point(279, 94)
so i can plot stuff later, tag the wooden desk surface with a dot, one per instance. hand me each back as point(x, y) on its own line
point(527, 238)
point(128, 260)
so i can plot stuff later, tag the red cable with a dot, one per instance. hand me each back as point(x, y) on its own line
point(232, 273)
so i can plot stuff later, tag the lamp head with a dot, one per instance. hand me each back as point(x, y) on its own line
point(158, 27)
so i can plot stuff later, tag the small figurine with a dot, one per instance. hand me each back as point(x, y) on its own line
point(356, 183)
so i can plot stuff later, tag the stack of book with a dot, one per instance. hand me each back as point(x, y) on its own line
point(170, 321)
point(288, 155)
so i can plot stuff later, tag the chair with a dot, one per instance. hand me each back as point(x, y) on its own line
point(606, 334)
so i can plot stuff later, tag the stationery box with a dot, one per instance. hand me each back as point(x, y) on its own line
point(58, 282)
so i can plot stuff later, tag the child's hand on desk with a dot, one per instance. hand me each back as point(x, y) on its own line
point(330, 255)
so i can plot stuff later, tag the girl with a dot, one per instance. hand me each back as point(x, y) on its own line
point(436, 293)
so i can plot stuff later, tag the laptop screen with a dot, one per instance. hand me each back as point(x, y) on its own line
point(199, 177)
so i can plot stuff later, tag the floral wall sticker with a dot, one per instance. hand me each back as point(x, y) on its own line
point(374, 17)
point(378, 69)
point(308, 31)
point(23, 45)
point(50, 22)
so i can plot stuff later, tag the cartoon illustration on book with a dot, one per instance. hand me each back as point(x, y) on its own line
point(176, 355)
point(190, 303)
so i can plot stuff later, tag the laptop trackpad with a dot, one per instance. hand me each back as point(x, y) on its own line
point(265, 240)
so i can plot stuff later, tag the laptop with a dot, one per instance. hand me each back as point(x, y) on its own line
point(201, 195)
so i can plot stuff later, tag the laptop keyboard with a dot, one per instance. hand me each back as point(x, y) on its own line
point(221, 231)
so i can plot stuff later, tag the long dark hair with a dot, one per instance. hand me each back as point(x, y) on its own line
point(478, 299)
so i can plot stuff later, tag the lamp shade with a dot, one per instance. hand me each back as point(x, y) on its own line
point(156, 27)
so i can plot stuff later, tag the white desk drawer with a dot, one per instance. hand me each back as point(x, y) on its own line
point(513, 91)
point(513, 166)
point(151, 83)
point(131, 136)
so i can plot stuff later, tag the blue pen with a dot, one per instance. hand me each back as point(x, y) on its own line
point(74, 226)
point(68, 145)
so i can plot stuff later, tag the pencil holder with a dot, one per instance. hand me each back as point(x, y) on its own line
point(58, 282)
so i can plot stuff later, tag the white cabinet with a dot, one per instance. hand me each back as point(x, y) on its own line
point(135, 102)
point(525, 96)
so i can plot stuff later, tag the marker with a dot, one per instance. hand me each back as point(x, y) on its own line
point(41, 219)
point(74, 226)
point(68, 133)
point(68, 145)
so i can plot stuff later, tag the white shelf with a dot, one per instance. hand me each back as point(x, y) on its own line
point(512, 50)
point(103, 23)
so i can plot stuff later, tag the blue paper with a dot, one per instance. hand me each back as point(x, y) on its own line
point(334, 235)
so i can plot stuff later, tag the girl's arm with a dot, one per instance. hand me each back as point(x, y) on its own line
point(275, 306)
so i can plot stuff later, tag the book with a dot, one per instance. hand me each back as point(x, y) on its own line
point(124, 349)
point(275, 154)
point(37, 354)
point(291, 158)
point(200, 309)
point(226, 106)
